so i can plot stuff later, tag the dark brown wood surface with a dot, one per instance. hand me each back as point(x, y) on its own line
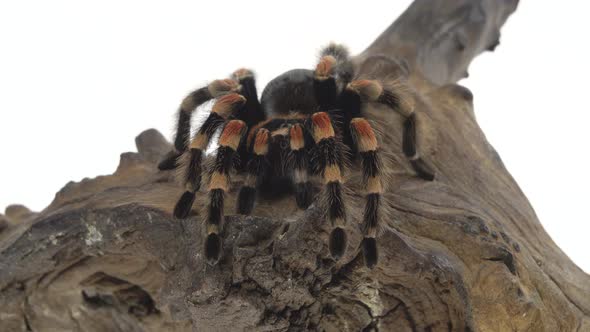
point(463, 253)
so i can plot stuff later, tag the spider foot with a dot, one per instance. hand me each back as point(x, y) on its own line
point(184, 205)
point(246, 199)
point(338, 242)
point(303, 194)
point(422, 169)
point(213, 248)
point(369, 246)
point(169, 161)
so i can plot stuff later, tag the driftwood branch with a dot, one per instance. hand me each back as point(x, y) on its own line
point(463, 253)
point(441, 38)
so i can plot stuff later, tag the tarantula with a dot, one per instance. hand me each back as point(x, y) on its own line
point(312, 116)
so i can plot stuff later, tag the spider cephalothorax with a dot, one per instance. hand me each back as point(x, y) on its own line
point(308, 123)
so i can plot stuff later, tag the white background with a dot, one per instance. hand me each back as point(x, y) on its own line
point(79, 80)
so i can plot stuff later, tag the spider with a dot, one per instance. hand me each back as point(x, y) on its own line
point(315, 118)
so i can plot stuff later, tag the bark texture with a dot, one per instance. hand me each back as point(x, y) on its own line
point(463, 253)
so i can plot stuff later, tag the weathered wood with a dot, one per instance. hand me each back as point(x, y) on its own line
point(440, 38)
point(463, 253)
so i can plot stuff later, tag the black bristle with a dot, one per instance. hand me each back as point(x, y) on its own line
point(213, 248)
point(257, 166)
point(183, 130)
point(278, 154)
point(351, 108)
point(351, 103)
point(224, 160)
point(409, 136)
point(246, 200)
point(371, 215)
point(370, 254)
point(327, 152)
point(211, 124)
point(251, 112)
point(184, 205)
point(371, 164)
point(423, 170)
point(299, 159)
point(201, 95)
point(338, 243)
point(326, 93)
point(215, 213)
point(390, 99)
point(303, 194)
point(194, 169)
point(335, 204)
point(169, 161)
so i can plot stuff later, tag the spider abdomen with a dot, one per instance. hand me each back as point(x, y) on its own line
point(289, 92)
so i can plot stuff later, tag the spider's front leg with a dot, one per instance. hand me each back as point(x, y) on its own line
point(367, 147)
point(219, 183)
point(186, 109)
point(329, 163)
point(251, 113)
point(190, 162)
point(257, 166)
point(303, 186)
point(370, 90)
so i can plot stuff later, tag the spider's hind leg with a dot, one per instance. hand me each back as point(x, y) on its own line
point(373, 91)
point(423, 170)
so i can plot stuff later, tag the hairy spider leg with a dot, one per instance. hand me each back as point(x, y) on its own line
point(251, 112)
point(257, 166)
point(372, 91)
point(334, 61)
point(367, 147)
point(219, 183)
point(424, 170)
point(341, 107)
point(359, 135)
point(185, 111)
point(300, 165)
point(324, 83)
point(191, 160)
point(329, 162)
